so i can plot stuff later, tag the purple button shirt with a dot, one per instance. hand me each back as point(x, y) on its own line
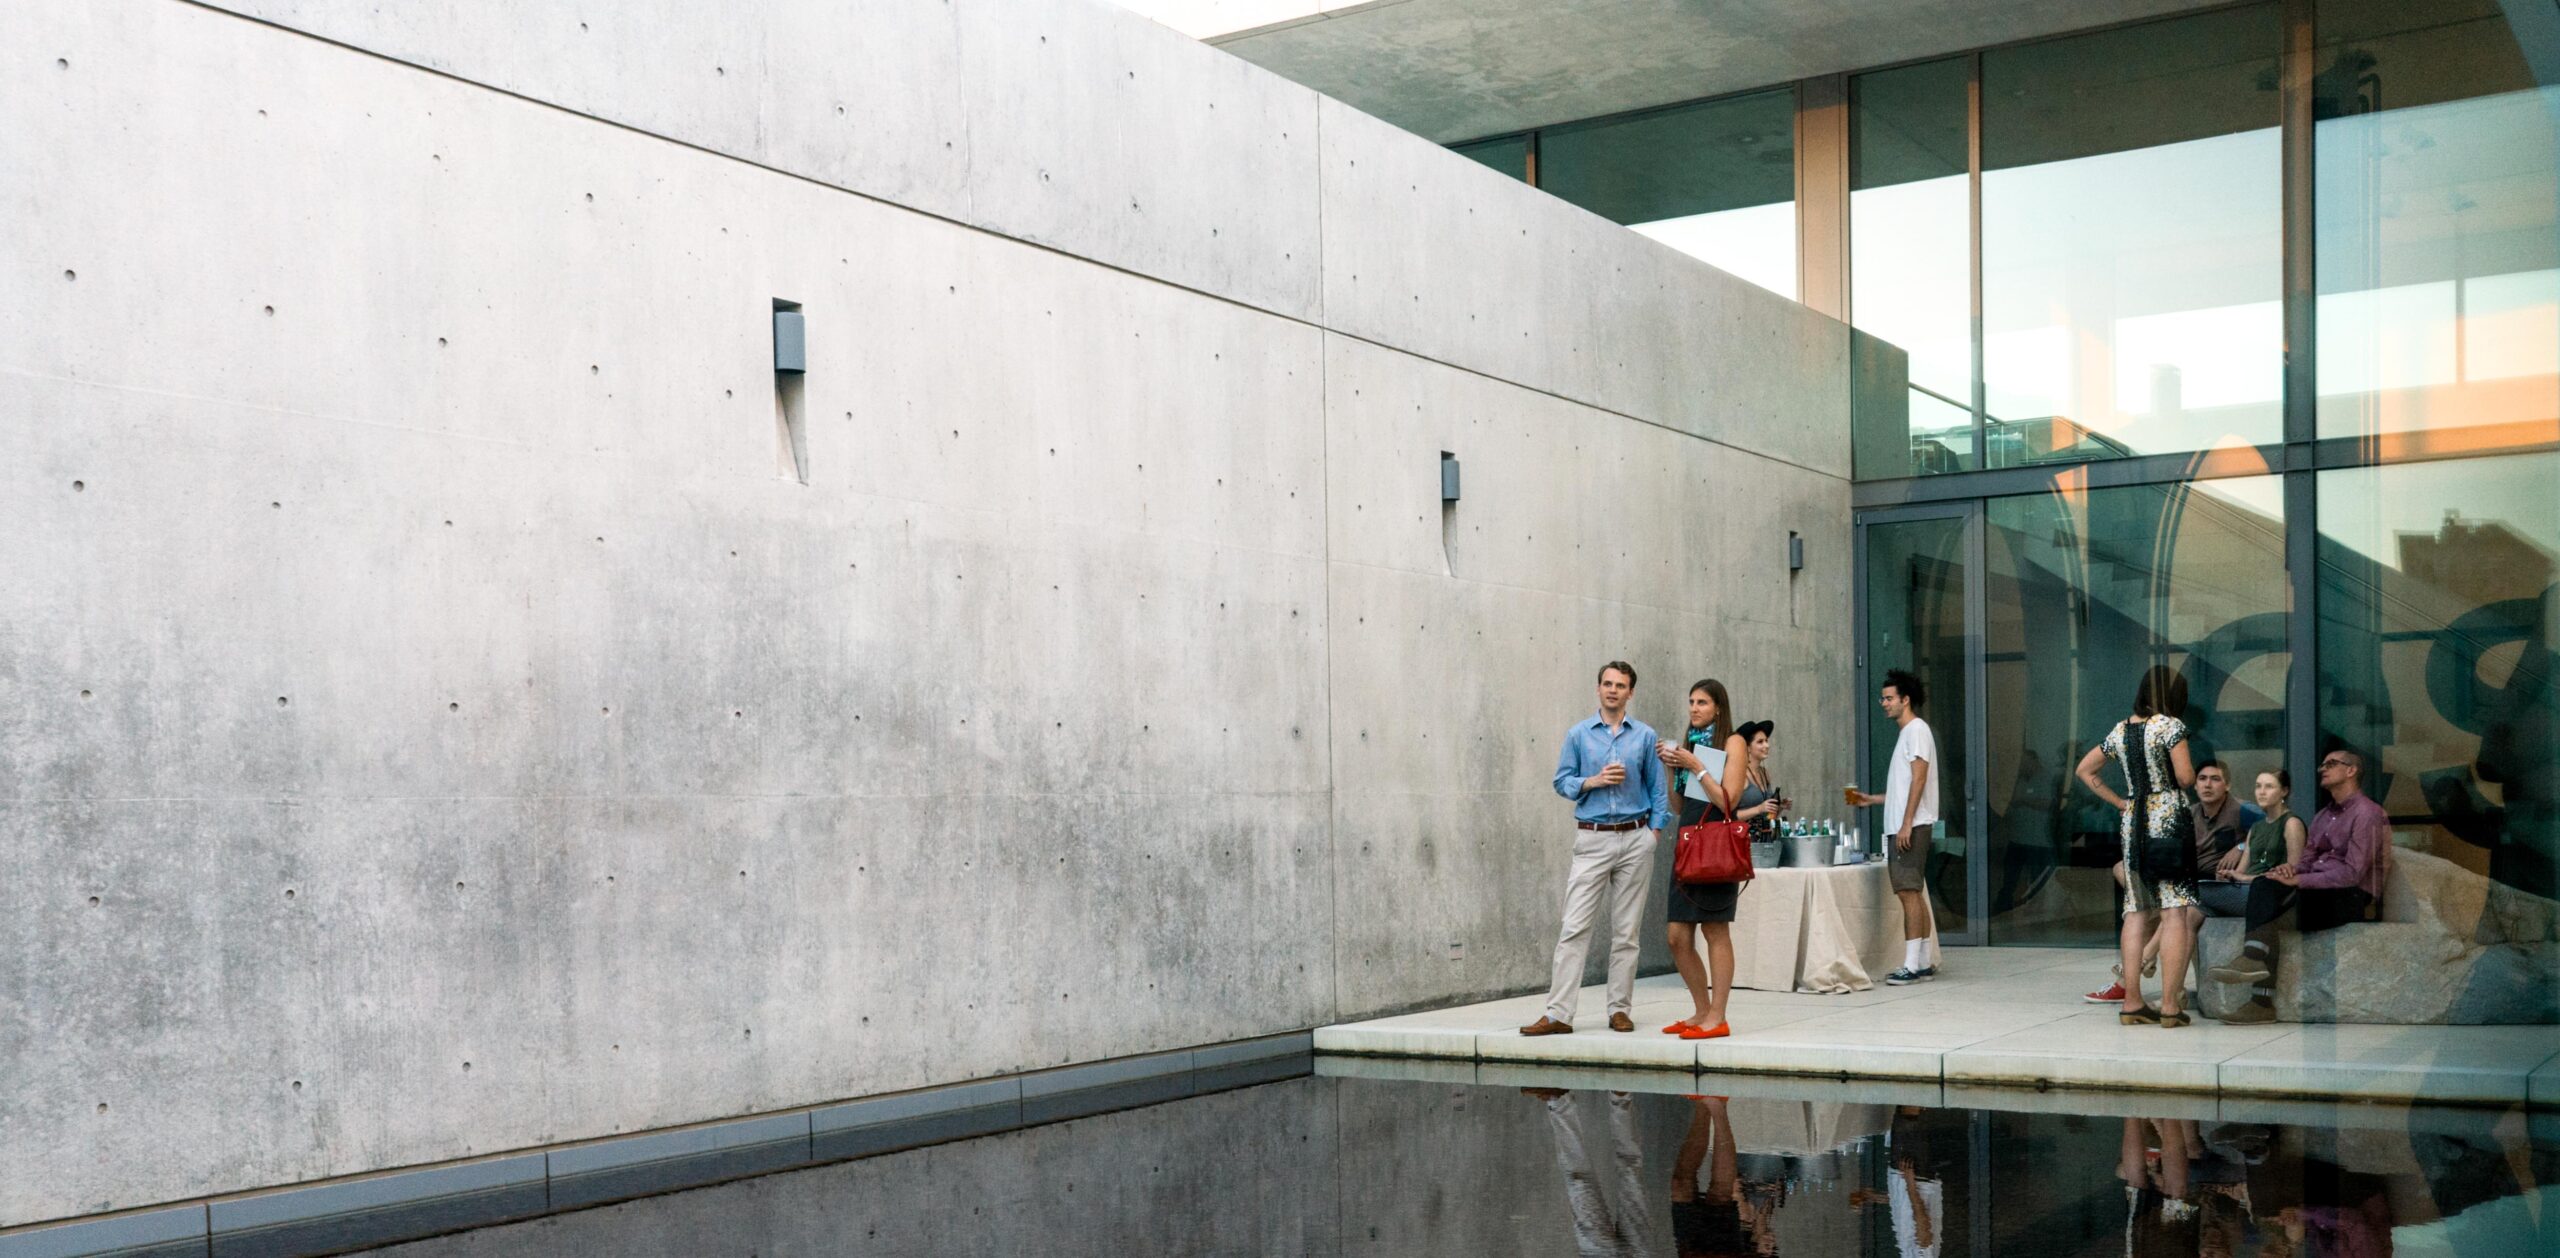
point(2345, 849)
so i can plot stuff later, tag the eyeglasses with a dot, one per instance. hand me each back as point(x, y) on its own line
point(2333, 764)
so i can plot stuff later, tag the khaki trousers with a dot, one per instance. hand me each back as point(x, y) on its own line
point(1611, 867)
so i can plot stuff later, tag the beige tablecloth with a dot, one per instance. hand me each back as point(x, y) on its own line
point(1819, 930)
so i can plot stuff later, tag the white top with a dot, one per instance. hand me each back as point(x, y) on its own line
point(1916, 743)
point(1932, 1197)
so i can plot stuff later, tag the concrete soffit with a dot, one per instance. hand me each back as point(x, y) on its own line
point(1453, 70)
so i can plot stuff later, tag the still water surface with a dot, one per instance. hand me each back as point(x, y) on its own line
point(1560, 1163)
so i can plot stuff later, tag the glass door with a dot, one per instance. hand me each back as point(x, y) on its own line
point(1920, 609)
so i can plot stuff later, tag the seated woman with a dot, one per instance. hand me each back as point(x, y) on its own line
point(2272, 844)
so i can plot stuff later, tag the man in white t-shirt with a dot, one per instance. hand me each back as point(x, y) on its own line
point(1910, 802)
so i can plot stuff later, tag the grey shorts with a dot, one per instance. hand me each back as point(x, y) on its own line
point(1909, 870)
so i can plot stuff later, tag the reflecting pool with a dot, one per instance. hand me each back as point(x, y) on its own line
point(1419, 1158)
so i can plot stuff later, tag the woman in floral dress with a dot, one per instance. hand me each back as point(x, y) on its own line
point(2159, 886)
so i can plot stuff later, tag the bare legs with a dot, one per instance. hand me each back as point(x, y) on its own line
point(1710, 981)
point(1719, 966)
point(2172, 934)
point(2177, 943)
point(2129, 943)
point(1915, 914)
point(1693, 972)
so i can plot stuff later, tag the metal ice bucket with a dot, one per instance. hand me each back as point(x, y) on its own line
point(1767, 853)
point(1809, 851)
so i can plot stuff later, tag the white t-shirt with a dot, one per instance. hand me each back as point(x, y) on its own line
point(1916, 743)
point(1932, 1197)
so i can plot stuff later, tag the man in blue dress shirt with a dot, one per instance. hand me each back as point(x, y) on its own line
point(1609, 771)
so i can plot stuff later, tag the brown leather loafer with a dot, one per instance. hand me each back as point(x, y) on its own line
point(1621, 1022)
point(1547, 1026)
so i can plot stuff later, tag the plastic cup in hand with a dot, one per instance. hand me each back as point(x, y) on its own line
point(1849, 796)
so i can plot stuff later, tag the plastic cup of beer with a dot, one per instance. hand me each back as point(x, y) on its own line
point(1849, 795)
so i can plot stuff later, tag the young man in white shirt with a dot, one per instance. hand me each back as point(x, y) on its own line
point(1910, 802)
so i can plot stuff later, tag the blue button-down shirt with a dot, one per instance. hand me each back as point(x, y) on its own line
point(1588, 748)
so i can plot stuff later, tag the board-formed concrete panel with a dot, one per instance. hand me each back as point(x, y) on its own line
point(1067, 122)
point(440, 719)
point(1457, 668)
point(1430, 252)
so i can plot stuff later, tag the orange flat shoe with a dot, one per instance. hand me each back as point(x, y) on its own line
point(1677, 1027)
point(1716, 1032)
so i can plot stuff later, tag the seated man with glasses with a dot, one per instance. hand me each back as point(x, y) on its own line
point(2337, 881)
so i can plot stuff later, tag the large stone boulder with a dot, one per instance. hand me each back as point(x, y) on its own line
point(2452, 948)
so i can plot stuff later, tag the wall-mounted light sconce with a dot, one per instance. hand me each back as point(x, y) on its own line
point(1448, 477)
point(790, 390)
point(790, 342)
point(1795, 552)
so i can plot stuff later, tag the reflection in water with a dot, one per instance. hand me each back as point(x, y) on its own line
point(1396, 1167)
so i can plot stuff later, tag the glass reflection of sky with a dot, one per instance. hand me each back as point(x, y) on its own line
point(2138, 293)
point(1756, 242)
point(2439, 265)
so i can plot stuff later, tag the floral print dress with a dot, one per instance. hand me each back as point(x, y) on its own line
point(2161, 813)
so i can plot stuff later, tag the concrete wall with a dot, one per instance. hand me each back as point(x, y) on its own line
point(429, 726)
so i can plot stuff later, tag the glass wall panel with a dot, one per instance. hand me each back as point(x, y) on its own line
point(2438, 605)
point(1915, 619)
point(2085, 589)
point(1508, 154)
point(2438, 242)
point(1911, 262)
point(1715, 180)
point(2131, 241)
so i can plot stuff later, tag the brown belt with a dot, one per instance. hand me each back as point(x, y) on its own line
point(1607, 825)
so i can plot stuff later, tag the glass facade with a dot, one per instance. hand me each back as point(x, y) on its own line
point(2229, 341)
point(2439, 595)
point(2438, 245)
point(1916, 591)
point(2132, 257)
point(1508, 154)
point(1911, 263)
point(1715, 180)
point(2084, 590)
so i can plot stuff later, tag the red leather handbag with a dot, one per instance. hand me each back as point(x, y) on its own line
point(1713, 851)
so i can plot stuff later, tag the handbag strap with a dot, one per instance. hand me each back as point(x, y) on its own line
point(2137, 760)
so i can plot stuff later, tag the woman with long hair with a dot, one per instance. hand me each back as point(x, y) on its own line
point(2159, 863)
point(1707, 908)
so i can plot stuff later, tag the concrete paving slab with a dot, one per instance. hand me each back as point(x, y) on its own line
point(1593, 1045)
point(1789, 1049)
point(2480, 1065)
point(1999, 1017)
point(2092, 1050)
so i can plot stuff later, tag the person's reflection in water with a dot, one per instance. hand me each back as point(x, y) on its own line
point(1708, 1212)
point(2161, 1216)
point(1597, 1229)
point(1915, 1189)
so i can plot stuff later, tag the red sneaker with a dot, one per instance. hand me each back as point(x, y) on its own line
point(2111, 994)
